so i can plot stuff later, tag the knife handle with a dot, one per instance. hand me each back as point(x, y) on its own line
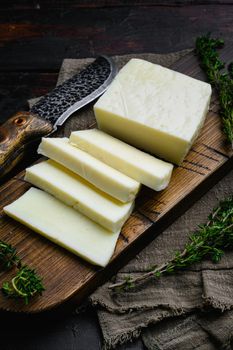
point(16, 134)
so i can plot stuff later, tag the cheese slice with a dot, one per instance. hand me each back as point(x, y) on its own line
point(79, 194)
point(103, 176)
point(154, 108)
point(64, 226)
point(141, 166)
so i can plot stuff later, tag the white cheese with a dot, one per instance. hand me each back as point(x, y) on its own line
point(64, 226)
point(141, 166)
point(103, 176)
point(154, 108)
point(79, 194)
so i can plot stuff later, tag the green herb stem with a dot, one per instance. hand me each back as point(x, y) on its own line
point(206, 49)
point(26, 283)
point(209, 241)
point(8, 256)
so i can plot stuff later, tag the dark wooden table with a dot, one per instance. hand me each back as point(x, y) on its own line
point(35, 36)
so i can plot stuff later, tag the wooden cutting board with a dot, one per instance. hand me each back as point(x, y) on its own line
point(65, 275)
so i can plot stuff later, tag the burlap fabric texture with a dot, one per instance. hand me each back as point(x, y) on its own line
point(188, 310)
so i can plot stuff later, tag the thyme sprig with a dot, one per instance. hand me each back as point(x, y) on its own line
point(26, 283)
point(206, 49)
point(8, 256)
point(209, 241)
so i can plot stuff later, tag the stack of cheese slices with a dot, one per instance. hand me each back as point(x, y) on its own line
point(88, 186)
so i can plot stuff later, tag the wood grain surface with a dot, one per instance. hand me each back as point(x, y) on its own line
point(24, 76)
point(17, 135)
point(35, 36)
point(64, 274)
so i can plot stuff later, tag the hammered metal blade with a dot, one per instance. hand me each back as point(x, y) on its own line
point(76, 92)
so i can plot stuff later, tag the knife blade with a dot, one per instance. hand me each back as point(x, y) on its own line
point(52, 110)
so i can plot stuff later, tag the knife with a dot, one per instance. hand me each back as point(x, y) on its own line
point(23, 129)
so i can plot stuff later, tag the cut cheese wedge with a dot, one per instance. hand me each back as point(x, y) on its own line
point(102, 176)
point(154, 108)
point(79, 194)
point(63, 225)
point(139, 165)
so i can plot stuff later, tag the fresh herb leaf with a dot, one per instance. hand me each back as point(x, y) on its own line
point(8, 256)
point(206, 48)
point(24, 285)
point(209, 241)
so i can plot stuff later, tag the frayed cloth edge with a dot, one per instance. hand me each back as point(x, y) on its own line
point(130, 335)
point(122, 310)
point(216, 304)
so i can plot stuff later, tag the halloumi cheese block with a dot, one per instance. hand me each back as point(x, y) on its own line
point(76, 192)
point(106, 178)
point(139, 165)
point(63, 225)
point(154, 108)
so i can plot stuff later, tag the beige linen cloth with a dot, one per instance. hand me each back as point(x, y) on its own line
point(188, 310)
